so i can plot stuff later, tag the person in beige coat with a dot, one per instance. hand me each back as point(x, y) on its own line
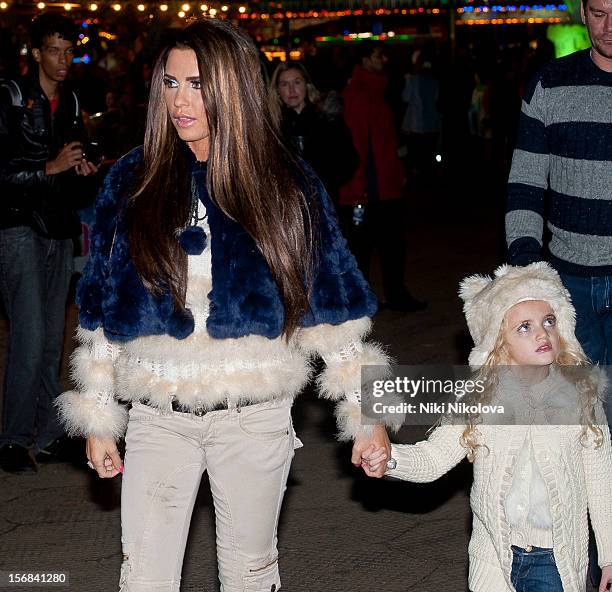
point(536, 479)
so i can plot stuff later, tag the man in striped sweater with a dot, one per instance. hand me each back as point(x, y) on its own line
point(562, 172)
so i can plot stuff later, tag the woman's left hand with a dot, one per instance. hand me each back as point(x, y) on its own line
point(606, 578)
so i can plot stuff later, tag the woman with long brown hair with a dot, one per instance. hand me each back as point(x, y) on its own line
point(216, 273)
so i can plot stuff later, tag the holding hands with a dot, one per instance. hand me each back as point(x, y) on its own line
point(372, 452)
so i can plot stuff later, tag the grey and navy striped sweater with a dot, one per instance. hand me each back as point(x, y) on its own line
point(562, 169)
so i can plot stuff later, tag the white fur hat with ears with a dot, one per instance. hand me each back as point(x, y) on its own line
point(487, 299)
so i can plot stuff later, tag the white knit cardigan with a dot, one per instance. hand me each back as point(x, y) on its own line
point(200, 372)
point(576, 477)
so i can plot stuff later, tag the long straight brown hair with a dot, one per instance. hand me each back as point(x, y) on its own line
point(250, 174)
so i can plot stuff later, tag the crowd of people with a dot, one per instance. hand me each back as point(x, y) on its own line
point(231, 248)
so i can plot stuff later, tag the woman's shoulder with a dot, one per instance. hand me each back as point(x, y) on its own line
point(310, 183)
point(127, 164)
point(120, 177)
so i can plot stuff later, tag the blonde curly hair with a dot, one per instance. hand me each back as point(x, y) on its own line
point(569, 362)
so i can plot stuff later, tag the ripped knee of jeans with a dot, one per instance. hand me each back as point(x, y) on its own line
point(126, 567)
point(262, 576)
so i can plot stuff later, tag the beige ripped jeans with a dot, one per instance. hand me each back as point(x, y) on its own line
point(247, 452)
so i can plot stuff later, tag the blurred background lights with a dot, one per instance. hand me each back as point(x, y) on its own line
point(141, 7)
point(163, 7)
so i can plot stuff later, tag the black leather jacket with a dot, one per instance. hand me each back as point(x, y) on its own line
point(29, 137)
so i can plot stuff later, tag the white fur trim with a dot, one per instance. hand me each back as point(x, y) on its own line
point(210, 386)
point(87, 337)
point(344, 377)
point(89, 373)
point(331, 338)
point(201, 348)
point(83, 416)
point(349, 422)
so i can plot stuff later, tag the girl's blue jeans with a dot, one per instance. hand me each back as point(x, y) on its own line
point(535, 570)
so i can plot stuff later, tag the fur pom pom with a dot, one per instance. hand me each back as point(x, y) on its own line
point(193, 240)
point(181, 323)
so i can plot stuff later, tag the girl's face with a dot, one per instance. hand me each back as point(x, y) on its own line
point(530, 335)
point(184, 101)
point(292, 89)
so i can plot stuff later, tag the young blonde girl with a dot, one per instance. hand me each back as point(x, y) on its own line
point(533, 483)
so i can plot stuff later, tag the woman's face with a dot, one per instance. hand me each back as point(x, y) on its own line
point(184, 101)
point(292, 89)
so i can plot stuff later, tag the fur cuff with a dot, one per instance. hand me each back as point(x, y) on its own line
point(350, 427)
point(332, 338)
point(89, 373)
point(339, 379)
point(82, 416)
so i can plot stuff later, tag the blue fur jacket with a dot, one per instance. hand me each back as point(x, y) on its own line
point(244, 299)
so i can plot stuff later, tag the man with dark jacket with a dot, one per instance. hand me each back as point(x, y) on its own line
point(44, 177)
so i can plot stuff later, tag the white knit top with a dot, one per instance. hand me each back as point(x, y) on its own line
point(200, 372)
point(576, 477)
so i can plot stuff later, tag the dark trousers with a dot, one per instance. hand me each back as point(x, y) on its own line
point(34, 280)
point(592, 299)
point(383, 226)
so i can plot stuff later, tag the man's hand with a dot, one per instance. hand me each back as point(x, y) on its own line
point(372, 453)
point(104, 456)
point(606, 578)
point(86, 168)
point(70, 156)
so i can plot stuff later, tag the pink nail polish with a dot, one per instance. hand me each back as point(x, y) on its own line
point(121, 469)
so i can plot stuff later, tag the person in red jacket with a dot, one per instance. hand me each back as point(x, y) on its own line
point(372, 208)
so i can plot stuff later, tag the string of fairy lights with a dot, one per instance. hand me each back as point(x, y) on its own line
point(184, 9)
point(467, 14)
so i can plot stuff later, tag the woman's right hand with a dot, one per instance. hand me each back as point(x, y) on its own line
point(104, 456)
